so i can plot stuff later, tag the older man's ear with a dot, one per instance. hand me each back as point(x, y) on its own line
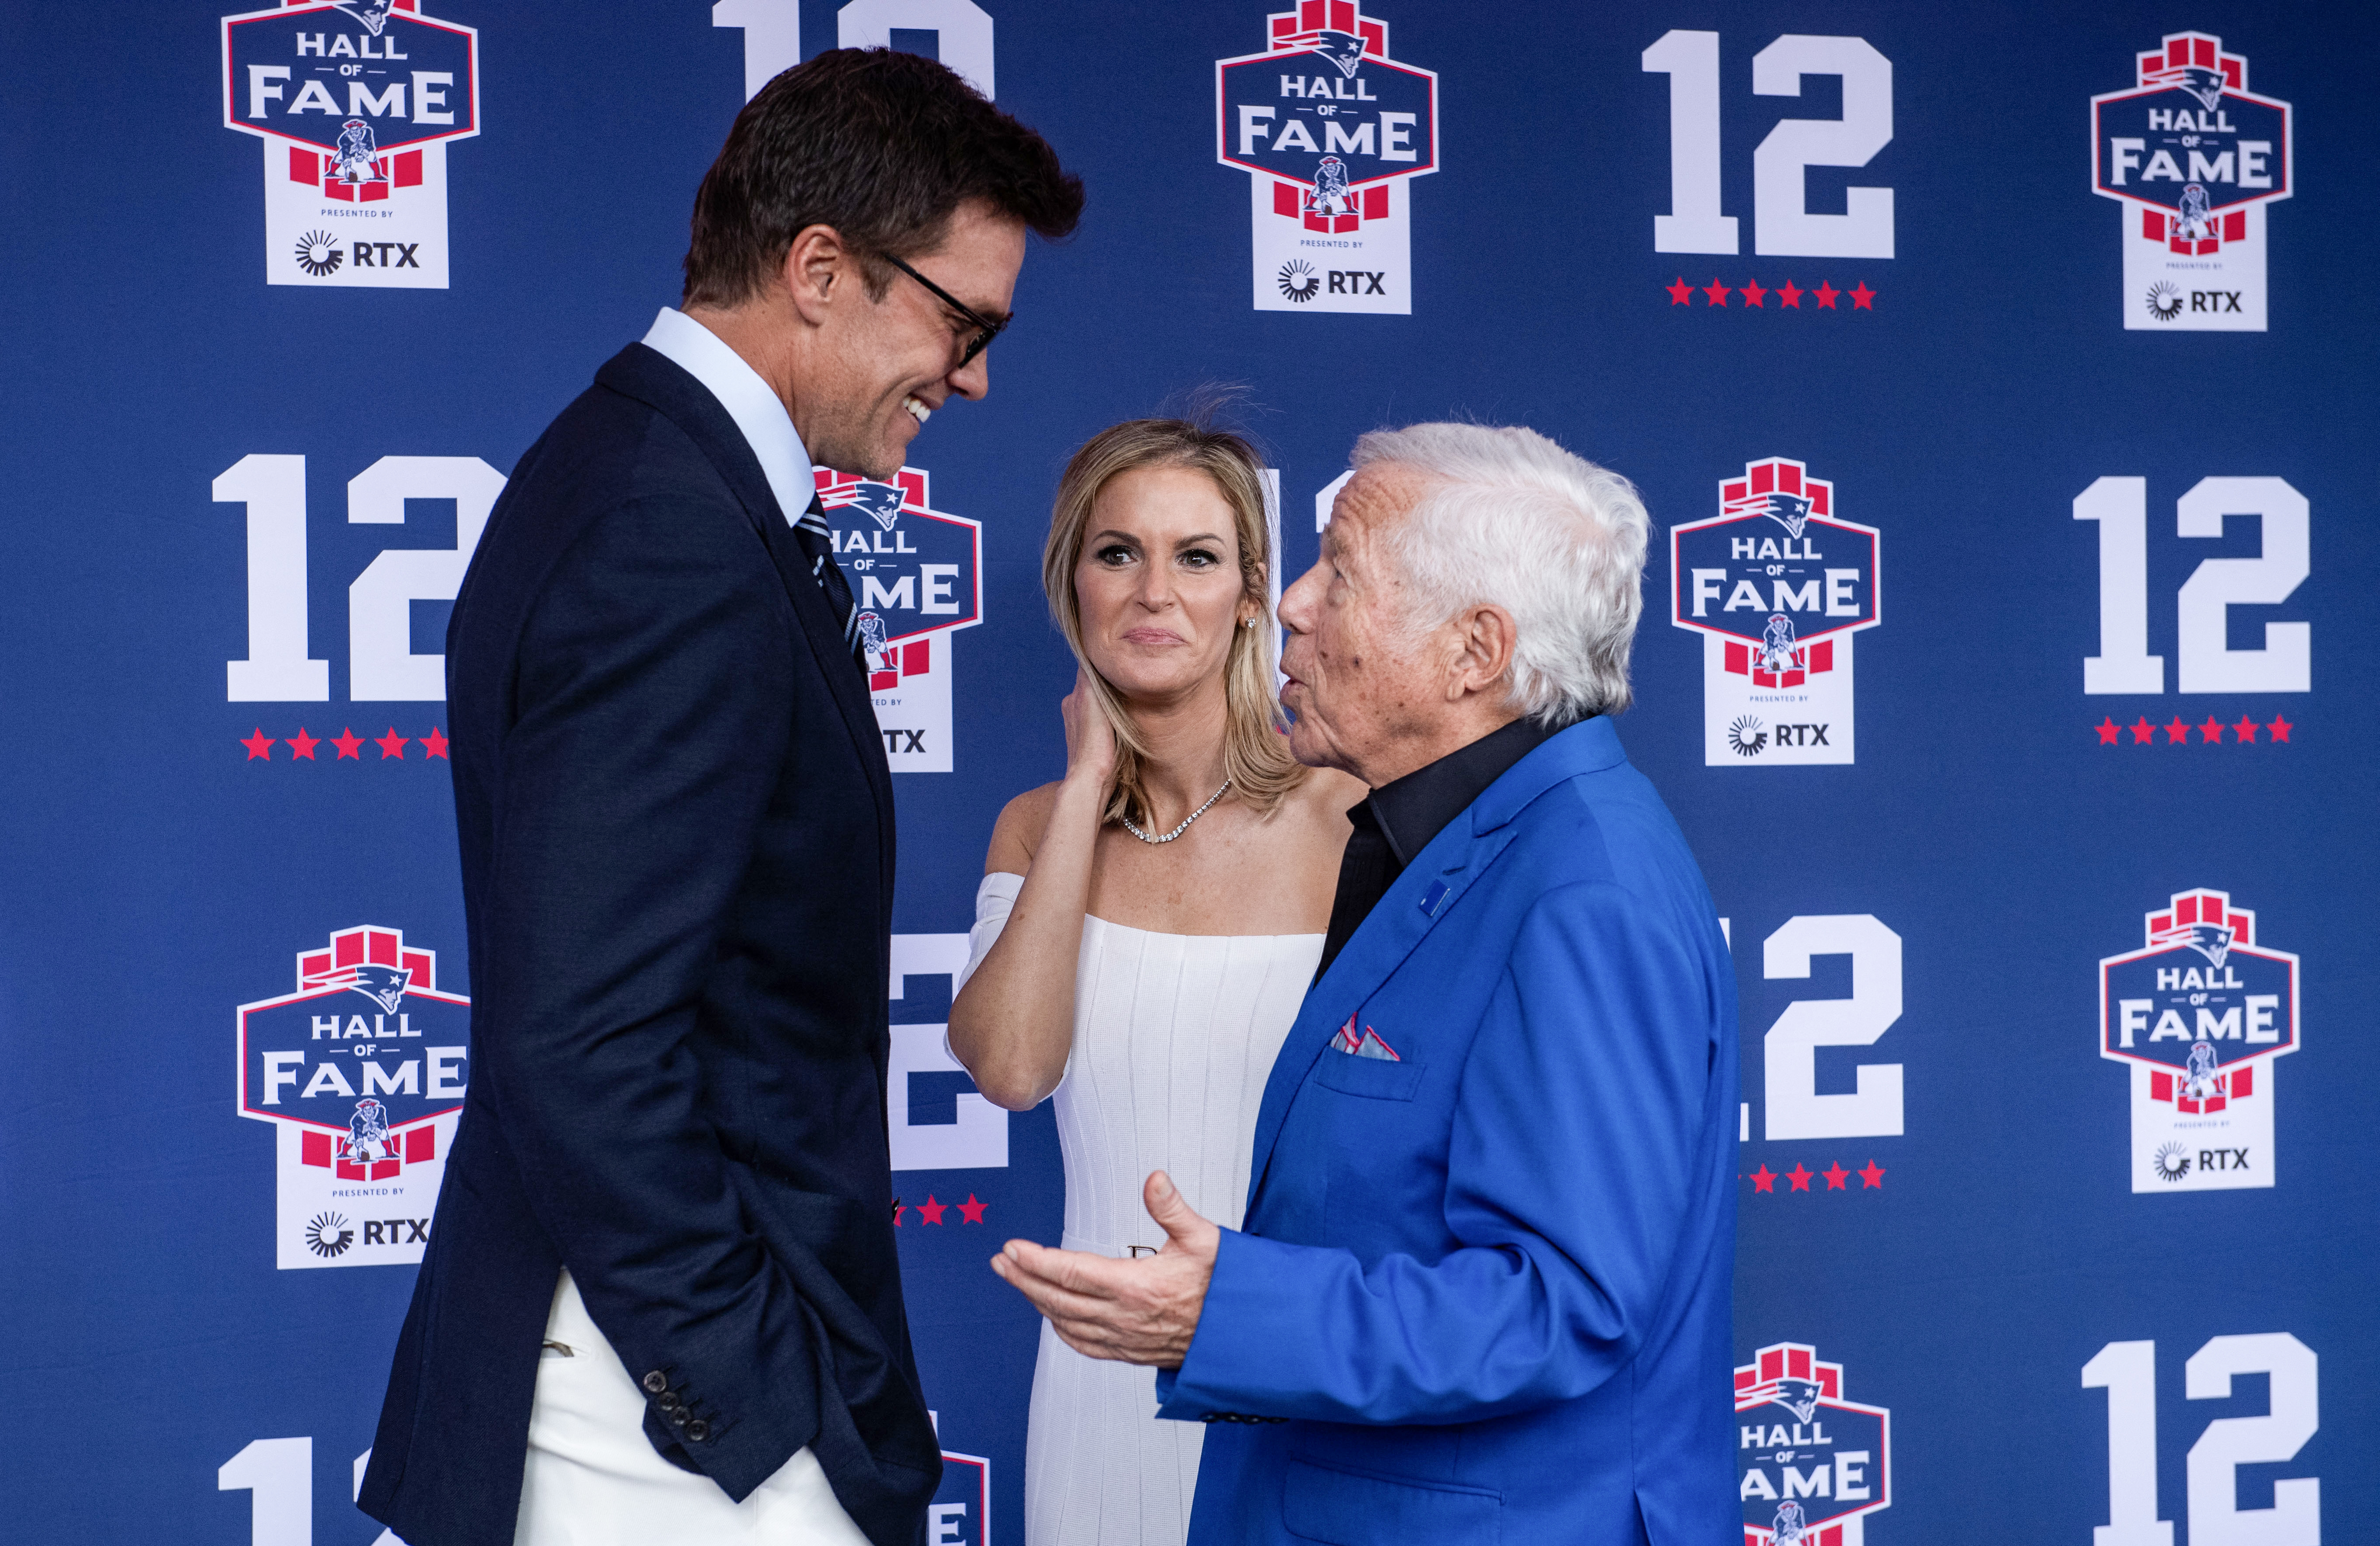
point(1481, 638)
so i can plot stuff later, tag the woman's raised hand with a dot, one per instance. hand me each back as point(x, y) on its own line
point(1090, 740)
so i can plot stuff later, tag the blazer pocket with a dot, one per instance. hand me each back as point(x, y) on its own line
point(1376, 1078)
point(1347, 1508)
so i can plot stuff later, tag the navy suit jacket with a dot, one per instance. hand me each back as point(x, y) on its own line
point(677, 828)
point(1488, 1283)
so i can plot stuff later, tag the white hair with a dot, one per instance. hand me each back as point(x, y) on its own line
point(1516, 521)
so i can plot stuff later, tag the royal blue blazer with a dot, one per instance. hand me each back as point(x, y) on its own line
point(1486, 1282)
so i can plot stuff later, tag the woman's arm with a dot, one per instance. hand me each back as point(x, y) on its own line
point(1014, 1023)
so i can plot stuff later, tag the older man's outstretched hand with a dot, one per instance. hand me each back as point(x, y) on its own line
point(1142, 1310)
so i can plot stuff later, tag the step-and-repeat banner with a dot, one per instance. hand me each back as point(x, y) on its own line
point(2002, 379)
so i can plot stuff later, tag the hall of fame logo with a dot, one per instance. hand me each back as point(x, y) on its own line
point(2194, 157)
point(961, 1512)
point(361, 1071)
point(2199, 1013)
point(355, 101)
point(1332, 132)
point(1810, 1466)
point(1778, 585)
point(918, 576)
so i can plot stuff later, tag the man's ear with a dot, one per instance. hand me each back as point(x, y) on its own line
point(819, 274)
point(1483, 643)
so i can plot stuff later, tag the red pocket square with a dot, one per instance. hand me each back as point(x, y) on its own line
point(1366, 1045)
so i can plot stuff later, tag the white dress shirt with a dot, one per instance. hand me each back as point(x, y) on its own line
point(759, 412)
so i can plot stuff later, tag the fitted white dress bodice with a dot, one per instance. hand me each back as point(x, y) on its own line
point(1175, 1037)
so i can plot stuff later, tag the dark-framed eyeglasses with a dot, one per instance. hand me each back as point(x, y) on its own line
point(985, 329)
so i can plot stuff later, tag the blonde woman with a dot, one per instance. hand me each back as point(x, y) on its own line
point(1147, 925)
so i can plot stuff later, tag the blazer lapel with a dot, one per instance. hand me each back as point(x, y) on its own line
point(661, 383)
point(1456, 859)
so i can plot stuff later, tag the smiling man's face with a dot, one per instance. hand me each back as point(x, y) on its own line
point(884, 364)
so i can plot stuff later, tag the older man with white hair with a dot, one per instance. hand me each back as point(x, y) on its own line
point(1483, 1289)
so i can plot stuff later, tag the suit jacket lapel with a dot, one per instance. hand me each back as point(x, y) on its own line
point(661, 383)
point(1457, 858)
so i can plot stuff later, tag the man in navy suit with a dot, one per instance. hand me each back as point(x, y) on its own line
point(1483, 1291)
point(662, 1303)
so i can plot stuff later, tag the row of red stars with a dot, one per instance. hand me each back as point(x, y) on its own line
point(1837, 1178)
point(346, 743)
point(970, 1211)
point(1716, 294)
point(2178, 733)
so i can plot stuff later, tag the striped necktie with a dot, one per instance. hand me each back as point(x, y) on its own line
point(818, 543)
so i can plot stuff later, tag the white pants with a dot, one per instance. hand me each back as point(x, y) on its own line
point(593, 1479)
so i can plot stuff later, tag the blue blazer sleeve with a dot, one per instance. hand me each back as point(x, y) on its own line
point(652, 723)
point(1581, 1104)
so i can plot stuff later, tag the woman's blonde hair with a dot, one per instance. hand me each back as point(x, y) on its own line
point(1255, 753)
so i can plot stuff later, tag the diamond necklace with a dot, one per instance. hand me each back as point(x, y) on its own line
point(1185, 821)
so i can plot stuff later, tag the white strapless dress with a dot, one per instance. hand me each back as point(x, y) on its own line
point(1175, 1037)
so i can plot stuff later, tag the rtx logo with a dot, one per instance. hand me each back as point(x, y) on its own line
point(1802, 734)
point(1355, 281)
point(383, 254)
point(397, 1232)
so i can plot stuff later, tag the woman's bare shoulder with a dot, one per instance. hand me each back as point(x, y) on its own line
point(1325, 794)
point(1016, 836)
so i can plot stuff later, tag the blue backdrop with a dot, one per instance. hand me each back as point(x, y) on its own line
point(2046, 1227)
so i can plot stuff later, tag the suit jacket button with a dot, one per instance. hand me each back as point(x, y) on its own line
point(697, 1430)
point(668, 1401)
point(657, 1381)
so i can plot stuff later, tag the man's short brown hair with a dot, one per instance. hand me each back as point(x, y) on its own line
point(881, 146)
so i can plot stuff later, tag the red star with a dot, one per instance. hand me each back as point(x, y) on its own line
point(1872, 1176)
point(2142, 731)
point(2281, 728)
point(349, 743)
point(1799, 1177)
point(1764, 1180)
point(932, 1211)
point(2246, 729)
point(1679, 291)
point(1825, 294)
point(1863, 299)
point(971, 1211)
point(2176, 732)
point(1836, 1176)
point(1790, 295)
point(2210, 733)
point(260, 745)
point(1717, 291)
point(1752, 292)
point(435, 744)
point(391, 744)
point(2108, 730)
point(303, 745)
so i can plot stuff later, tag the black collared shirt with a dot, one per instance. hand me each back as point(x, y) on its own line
point(1400, 818)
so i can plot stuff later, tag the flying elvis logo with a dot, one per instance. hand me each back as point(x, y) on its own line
point(355, 103)
point(2199, 1014)
point(916, 573)
point(2194, 157)
point(1778, 585)
point(361, 1071)
point(1332, 132)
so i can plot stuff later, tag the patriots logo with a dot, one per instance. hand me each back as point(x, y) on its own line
point(1799, 1397)
point(879, 500)
point(1788, 510)
point(2205, 84)
point(1346, 50)
point(2210, 939)
point(356, 151)
point(872, 634)
point(1777, 644)
point(383, 985)
point(368, 1132)
point(374, 14)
